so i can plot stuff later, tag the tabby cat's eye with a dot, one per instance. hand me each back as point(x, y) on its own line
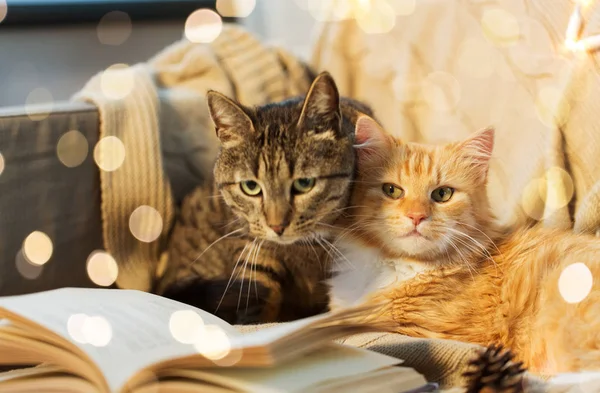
point(392, 191)
point(442, 194)
point(303, 185)
point(250, 187)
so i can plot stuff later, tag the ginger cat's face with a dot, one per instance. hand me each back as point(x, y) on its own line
point(419, 201)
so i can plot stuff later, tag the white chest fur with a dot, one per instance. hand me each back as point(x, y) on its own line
point(363, 272)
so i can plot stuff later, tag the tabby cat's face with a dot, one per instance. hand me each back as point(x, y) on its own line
point(417, 200)
point(285, 169)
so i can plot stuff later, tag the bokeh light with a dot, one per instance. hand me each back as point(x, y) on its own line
point(476, 57)
point(114, 28)
point(403, 7)
point(3, 10)
point(441, 91)
point(203, 26)
point(145, 224)
point(556, 188)
point(377, 17)
point(37, 248)
point(37, 97)
point(551, 106)
point(236, 8)
point(575, 282)
point(72, 148)
point(117, 81)
point(97, 331)
point(86, 329)
point(335, 10)
point(214, 343)
point(500, 26)
point(532, 202)
point(1, 163)
point(109, 153)
point(186, 326)
point(75, 327)
point(26, 269)
point(102, 268)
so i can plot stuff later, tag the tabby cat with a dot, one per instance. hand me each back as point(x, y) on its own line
point(252, 245)
point(422, 239)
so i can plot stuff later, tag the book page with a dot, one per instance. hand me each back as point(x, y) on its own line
point(122, 331)
point(332, 363)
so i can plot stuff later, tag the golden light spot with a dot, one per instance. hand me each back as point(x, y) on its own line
point(556, 188)
point(475, 57)
point(405, 89)
point(145, 224)
point(102, 268)
point(551, 107)
point(3, 10)
point(575, 282)
point(36, 97)
point(109, 153)
point(531, 200)
point(441, 92)
point(26, 269)
point(75, 327)
point(203, 26)
point(186, 326)
point(37, 248)
point(117, 81)
point(114, 28)
point(500, 26)
point(72, 149)
point(96, 331)
point(1, 163)
point(236, 8)
point(403, 7)
point(378, 18)
point(214, 343)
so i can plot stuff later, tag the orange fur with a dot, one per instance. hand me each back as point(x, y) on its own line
point(479, 282)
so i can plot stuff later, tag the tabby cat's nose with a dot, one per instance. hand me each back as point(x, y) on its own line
point(278, 229)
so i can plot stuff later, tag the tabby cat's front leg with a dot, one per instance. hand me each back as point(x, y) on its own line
point(263, 294)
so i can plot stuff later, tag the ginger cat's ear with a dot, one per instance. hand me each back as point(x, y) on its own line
point(321, 109)
point(477, 150)
point(231, 121)
point(371, 139)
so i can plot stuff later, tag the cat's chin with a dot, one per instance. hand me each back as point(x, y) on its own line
point(414, 245)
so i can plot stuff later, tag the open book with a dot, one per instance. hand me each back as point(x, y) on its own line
point(114, 341)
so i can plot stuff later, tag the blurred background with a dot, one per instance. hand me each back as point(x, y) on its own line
point(50, 48)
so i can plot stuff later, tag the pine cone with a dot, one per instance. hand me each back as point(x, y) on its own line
point(493, 372)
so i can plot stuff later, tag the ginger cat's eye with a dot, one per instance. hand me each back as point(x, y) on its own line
point(303, 185)
point(442, 194)
point(250, 187)
point(392, 190)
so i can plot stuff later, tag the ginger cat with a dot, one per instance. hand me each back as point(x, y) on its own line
point(421, 237)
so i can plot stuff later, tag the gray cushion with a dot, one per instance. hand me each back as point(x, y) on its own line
point(39, 193)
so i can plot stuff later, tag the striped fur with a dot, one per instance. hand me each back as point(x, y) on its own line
point(224, 255)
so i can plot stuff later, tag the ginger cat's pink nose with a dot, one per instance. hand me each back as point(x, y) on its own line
point(416, 217)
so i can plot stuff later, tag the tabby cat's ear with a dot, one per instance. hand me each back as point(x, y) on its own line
point(477, 151)
point(231, 121)
point(371, 140)
point(321, 109)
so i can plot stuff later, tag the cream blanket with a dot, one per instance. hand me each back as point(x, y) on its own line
point(434, 77)
point(448, 68)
